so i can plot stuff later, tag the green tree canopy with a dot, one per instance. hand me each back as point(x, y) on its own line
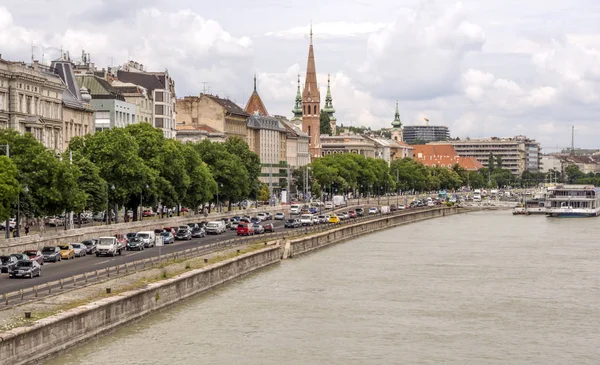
point(325, 126)
point(9, 187)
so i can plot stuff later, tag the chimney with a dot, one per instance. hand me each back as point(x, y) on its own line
point(36, 65)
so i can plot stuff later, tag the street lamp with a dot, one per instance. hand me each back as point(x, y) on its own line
point(107, 203)
point(141, 203)
point(26, 190)
point(7, 226)
point(218, 196)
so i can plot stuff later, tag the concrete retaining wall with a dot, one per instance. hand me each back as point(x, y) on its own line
point(51, 238)
point(47, 337)
point(307, 244)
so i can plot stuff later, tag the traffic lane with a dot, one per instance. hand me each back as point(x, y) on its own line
point(68, 268)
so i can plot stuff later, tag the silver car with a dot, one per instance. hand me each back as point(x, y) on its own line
point(80, 249)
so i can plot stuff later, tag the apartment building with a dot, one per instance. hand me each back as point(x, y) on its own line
point(518, 154)
point(267, 138)
point(425, 133)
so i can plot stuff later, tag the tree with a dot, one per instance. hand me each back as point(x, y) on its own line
point(325, 127)
point(202, 186)
point(491, 162)
point(9, 187)
point(90, 182)
point(573, 174)
point(499, 162)
point(263, 193)
point(238, 147)
point(71, 196)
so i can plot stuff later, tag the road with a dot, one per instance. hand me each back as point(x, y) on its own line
point(80, 265)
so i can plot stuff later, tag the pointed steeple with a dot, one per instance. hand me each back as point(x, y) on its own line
point(311, 103)
point(298, 105)
point(255, 104)
point(311, 32)
point(397, 123)
point(329, 101)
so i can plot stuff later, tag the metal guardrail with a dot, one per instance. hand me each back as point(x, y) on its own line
point(103, 275)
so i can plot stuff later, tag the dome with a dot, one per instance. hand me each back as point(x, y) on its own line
point(85, 95)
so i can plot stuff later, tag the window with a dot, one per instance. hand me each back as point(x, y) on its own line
point(315, 110)
point(159, 96)
point(194, 120)
point(158, 122)
point(159, 109)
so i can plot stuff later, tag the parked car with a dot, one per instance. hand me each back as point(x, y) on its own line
point(313, 210)
point(25, 269)
point(135, 244)
point(167, 238)
point(328, 205)
point(12, 223)
point(148, 213)
point(198, 232)
point(130, 235)
point(51, 253)
point(360, 212)
point(20, 256)
point(373, 210)
point(279, 216)
point(258, 228)
point(262, 216)
point(7, 263)
point(184, 234)
point(67, 252)
point(352, 214)
point(292, 223)
point(90, 246)
point(35, 255)
point(334, 219)
point(323, 219)
point(80, 249)
point(268, 227)
point(245, 229)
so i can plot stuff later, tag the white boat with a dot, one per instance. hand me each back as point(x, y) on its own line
point(519, 210)
point(573, 201)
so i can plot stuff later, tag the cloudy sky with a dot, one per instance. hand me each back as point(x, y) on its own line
point(483, 68)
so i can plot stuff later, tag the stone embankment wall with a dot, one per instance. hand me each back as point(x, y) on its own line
point(32, 242)
point(49, 336)
point(30, 345)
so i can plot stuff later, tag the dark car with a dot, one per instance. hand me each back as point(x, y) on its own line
point(269, 227)
point(25, 269)
point(183, 234)
point(90, 246)
point(51, 253)
point(255, 220)
point(313, 210)
point(167, 238)
point(136, 243)
point(35, 255)
point(258, 229)
point(130, 235)
point(198, 232)
point(290, 223)
point(7, 263)
point(20, 256)
point(360, 212)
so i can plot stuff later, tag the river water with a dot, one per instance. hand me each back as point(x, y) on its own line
point(477, 288)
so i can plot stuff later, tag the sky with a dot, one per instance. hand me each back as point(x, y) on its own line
point(483, 68)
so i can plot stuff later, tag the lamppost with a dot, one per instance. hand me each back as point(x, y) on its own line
point(141, 203)
point(218, 206)
point(26, 190)
point(359, 189)
point(368, 193)
point(108, 203)
point(7, 223)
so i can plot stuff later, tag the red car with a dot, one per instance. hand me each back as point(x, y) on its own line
point(352, 214)
point(245, 229)
point(35, 255)
point(269, 227)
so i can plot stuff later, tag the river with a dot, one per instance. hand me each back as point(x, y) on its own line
point(477, 288)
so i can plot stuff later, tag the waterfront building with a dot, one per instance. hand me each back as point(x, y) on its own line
point(518, 153)
point(222, 115)
point(267, 138)
point(197, 133)
point(311, 104)
point(138, 95)
point(425, 133)
point(161, 89)
point(111, 109)
point(443, 155)
point(350, 143)
point(31, 102)
point(77, 112)
point(573, 201)
point(329, 107)
point(255, 104)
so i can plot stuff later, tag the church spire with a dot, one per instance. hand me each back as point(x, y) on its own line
point(298, 105)
point(311, 32)
point(329, 106)
point(255, 104)
point(255, 81)
point(397, 123)
point(311, 104)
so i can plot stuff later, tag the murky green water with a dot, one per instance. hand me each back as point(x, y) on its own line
point(480, 288)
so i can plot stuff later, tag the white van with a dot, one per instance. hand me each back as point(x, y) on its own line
point(148, 237)
point(216, 227)
point(306, 219)
point(294, 209)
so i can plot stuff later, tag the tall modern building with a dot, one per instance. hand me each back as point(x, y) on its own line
point(425, 133)
point(311, 104)
point(329, 107)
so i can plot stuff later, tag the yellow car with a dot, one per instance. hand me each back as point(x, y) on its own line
point(67, 252)
point(334, 219)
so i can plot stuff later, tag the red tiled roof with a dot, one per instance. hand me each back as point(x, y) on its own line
point(444, 156)
point(255, 104)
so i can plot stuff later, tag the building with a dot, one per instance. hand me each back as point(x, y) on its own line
point(586, 164)
point(413, 134)
point(400, 150)
point(382, 147)
point(443, 155)
point(222, 115)
point(297, 153)
point(197, 133)
point(297, 118)
point(77, 112)
point(111, 109)
point(329, 107)
point(517, 154)
point(267, 138)
point(550, 162)
point(311, 104)
point(138, 95)
point(255, 104)
point(351, 143)
point(161, 89)
point(396, 132)
point(31, 102)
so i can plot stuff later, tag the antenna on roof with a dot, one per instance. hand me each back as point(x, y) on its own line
point(32, 48)
point(572, 140)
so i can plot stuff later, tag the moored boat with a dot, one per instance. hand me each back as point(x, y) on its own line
point(519, 210)
point(573, 201)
